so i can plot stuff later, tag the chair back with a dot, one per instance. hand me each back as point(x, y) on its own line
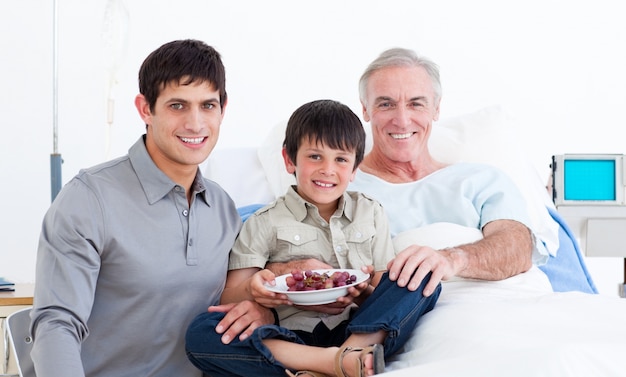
point(18, 330)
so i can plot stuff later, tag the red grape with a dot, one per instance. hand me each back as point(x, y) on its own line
point(313, 280)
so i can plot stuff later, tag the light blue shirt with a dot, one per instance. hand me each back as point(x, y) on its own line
point(466, 194)
point(123, 266)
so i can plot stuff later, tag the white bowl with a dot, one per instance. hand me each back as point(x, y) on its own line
point(320, 296)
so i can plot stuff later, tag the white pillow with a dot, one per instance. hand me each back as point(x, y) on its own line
point(485, 136)
point(271, 158)
point(240, 173)
point(436, 235)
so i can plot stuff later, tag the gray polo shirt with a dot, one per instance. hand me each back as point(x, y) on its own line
point(291, 228)
point(123, 266)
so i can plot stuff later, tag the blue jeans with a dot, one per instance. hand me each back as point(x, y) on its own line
point(390, 308)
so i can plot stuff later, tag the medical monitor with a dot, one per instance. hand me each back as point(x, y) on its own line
point(588, 179)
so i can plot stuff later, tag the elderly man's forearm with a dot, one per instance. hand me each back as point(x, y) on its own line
point(505, 251)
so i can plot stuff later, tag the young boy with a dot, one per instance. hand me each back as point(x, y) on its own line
point(318, 219)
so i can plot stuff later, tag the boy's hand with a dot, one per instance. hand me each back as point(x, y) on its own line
point(261, 294)
point(361, 291)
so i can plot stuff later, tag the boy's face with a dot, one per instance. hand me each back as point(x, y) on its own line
point(322, 173)
point(184, 126)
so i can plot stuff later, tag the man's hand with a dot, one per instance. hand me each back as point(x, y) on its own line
point(412, 264)
point(241, 319)
point(302, 265)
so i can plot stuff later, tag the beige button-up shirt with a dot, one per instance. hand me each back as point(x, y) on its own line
point(291, 228)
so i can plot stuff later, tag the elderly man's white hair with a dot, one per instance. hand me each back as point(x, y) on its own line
point(400, 57)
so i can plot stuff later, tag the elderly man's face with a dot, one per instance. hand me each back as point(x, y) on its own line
point(400, 107)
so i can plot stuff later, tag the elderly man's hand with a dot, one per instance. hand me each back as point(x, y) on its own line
point(412, 264)
point(241, 319)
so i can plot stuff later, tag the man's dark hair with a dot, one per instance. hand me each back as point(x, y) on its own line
point(182, 62)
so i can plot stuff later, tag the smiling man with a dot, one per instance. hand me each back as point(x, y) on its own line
point(400, 93)
point(134, 248)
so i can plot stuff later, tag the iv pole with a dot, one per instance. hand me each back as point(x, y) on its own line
point(112, 35)
point(55, 157)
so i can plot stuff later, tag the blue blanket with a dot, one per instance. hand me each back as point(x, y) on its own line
point(568, 271)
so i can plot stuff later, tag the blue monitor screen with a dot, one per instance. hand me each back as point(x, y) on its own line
point(589, 179)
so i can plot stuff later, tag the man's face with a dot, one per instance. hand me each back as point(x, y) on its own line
point(184, 127)
point(400, 106)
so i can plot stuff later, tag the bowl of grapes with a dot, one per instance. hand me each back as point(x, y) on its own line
point(317, 287)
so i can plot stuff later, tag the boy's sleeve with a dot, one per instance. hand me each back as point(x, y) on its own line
point(382, 247)
point(251, 248)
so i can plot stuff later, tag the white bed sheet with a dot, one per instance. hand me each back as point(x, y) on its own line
point(506, 329)
point(513, 327)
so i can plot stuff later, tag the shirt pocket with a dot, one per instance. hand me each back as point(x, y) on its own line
point(296, 243)
point(359, 238)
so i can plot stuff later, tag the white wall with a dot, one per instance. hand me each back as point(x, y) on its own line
point(558, 66)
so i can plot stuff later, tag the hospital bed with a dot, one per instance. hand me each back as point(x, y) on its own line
point(549, 321)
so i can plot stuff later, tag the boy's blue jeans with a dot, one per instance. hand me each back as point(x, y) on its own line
point(390, 308)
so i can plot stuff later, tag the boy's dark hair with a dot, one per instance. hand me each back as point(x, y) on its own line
point(327, 122)
point(183, 62)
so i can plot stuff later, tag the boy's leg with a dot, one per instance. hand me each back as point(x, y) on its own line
point(394, 310)
point(249, 357)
